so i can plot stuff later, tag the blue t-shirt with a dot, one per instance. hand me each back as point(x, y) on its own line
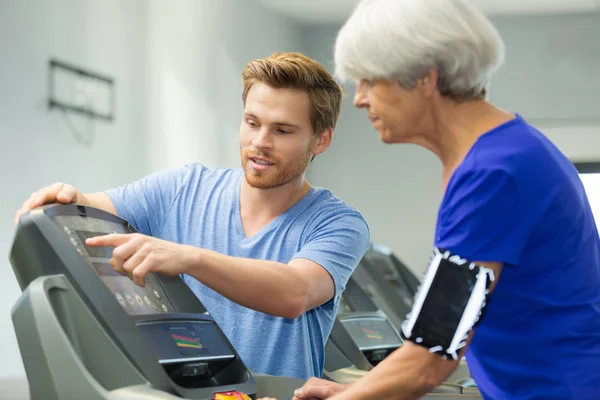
point(518, 200)
point(199, 206)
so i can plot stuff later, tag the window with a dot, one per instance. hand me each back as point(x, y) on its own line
point(590, 176)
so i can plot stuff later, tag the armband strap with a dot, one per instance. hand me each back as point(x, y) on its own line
point(449, 303)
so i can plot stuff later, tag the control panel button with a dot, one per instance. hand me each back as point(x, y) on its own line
point(120, 298)
point(195, 369)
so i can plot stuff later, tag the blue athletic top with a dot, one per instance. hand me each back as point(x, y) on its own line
point(518, 200)
point(200, 206)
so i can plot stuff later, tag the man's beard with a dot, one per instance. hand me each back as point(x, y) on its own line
point(278, 175)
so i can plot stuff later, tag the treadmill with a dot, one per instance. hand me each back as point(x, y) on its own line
point(87, 332)
point(388, 282)
point(363, 336)
point(391, 287)
point(368, 326)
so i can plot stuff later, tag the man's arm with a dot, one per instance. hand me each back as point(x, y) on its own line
point(64, 193)
point(408, 373)
point(143, 203)
point(98, 200)
point(314, 275)
point(267, 286)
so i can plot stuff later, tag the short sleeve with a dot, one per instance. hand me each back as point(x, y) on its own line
point(145, 203)
point(338, 243)
point(486, 216)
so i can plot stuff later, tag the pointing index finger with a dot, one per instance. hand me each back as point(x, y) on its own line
point(113, 239)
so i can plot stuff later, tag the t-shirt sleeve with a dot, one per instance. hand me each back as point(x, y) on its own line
point(145, 203)
point(486, 216)
point(338, 243)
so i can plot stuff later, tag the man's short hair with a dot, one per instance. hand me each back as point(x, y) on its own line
point(297, 71)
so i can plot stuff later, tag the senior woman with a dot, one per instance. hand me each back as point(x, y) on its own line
point(515, 274)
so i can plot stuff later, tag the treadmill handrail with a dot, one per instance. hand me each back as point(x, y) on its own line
point(44, 342)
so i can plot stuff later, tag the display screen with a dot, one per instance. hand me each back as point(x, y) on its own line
point(134, 299)
point(97, 252)
point(175, 341)
point(372, 333)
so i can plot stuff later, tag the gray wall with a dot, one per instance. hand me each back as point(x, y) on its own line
point(177, 67)
point(37, 147)
point(551, 76)
point(196, 52)
point(552, 70)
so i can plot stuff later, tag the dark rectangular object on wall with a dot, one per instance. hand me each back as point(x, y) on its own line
point(75, 89)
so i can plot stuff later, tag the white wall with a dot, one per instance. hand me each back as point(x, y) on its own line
point(36, 147)
point(177, 67)
point(550, 76)
point(196, 52)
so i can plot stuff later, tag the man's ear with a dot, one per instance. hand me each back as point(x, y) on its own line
point(323, 141)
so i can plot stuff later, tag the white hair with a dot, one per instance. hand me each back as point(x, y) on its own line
point(403, 39)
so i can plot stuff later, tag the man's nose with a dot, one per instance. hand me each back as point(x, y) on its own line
point(263, 139)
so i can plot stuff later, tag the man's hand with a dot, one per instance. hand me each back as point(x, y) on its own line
point(317, 389)
point(65, 194)
point(55, 193)
point(136, 255)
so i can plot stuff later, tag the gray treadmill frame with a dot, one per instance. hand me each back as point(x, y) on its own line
point(40, 242)
point(66, 361)
point(385, 298)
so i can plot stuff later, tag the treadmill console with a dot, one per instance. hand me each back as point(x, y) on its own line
point(373, 334)
point(163, 328)
point(134, 299)
point(396, 274)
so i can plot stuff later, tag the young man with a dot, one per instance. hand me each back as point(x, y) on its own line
point(266, 253)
